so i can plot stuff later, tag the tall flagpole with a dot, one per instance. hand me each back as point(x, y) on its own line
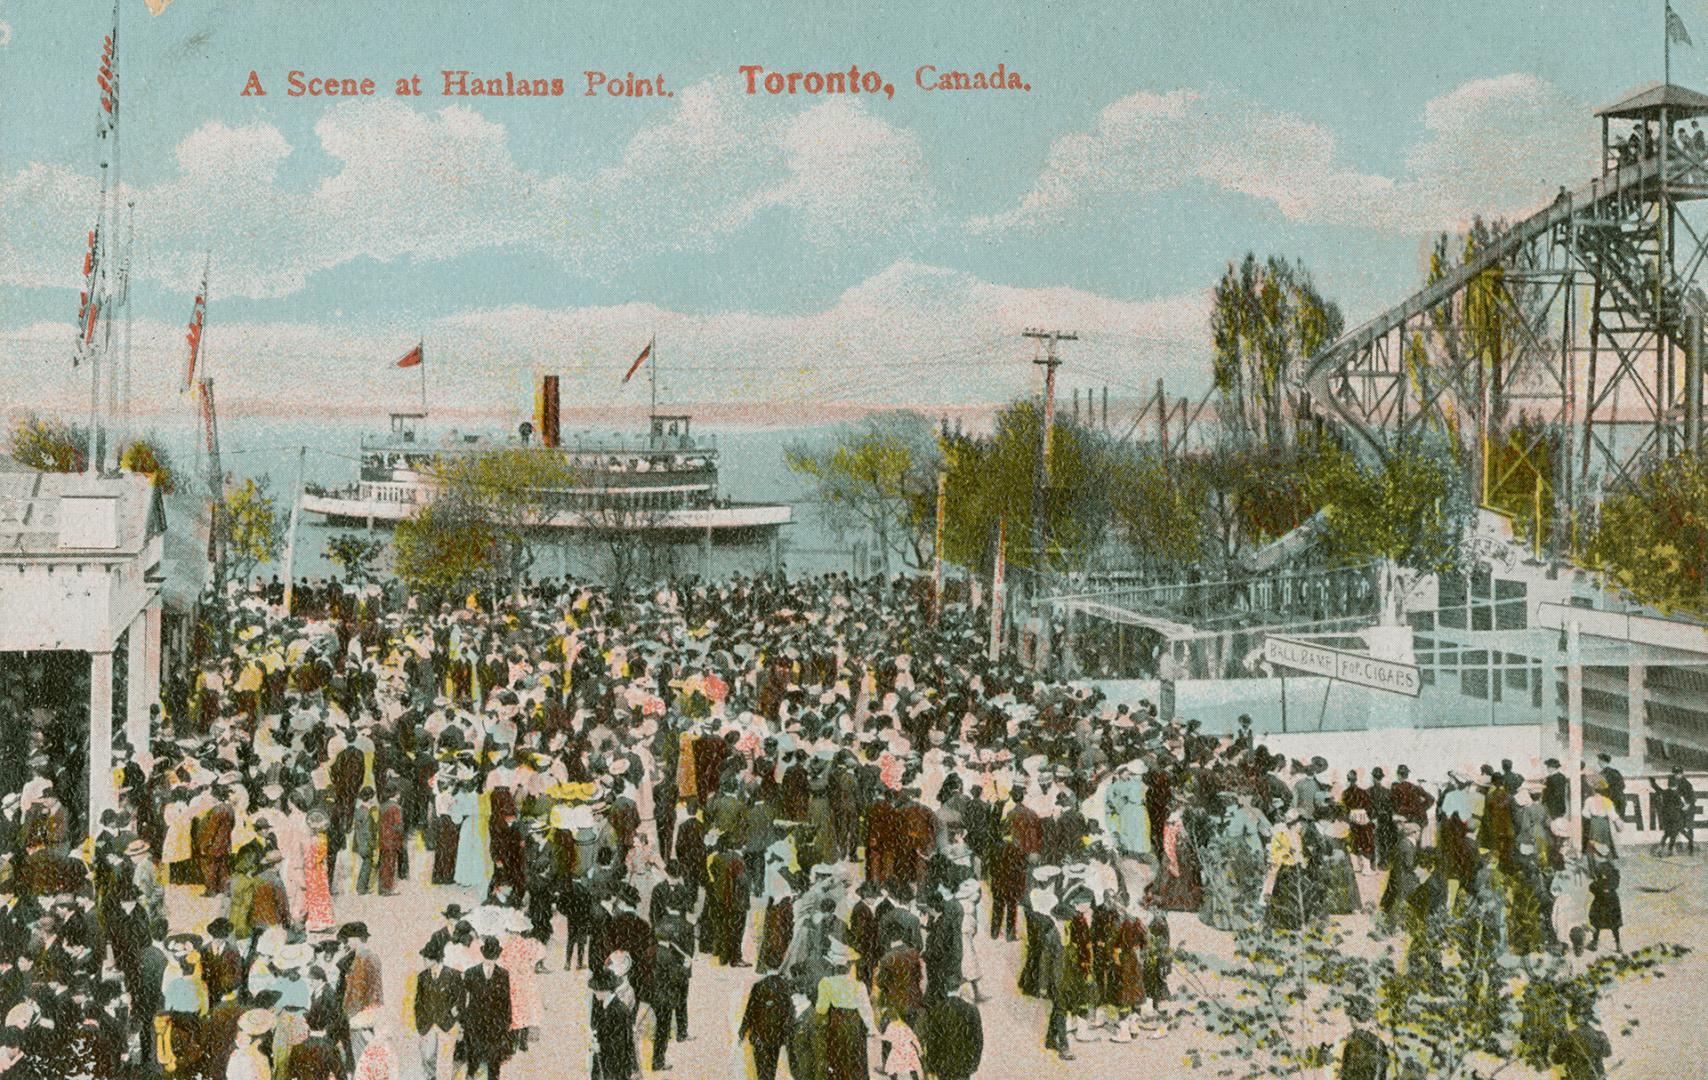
point(653, 367)
point(1666, 43)
point(421, 347)
point(130, 249)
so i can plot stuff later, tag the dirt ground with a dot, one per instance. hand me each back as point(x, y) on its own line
point(1664, 900)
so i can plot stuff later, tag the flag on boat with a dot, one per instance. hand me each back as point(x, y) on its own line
point(412, 358)
point(1675, 30)
point(198, 314)
point(639, 360)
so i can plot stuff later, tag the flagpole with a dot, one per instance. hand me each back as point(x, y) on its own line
point(91, 463)
point(421, 347)
point(1666, 43)
point(653, 367)
point(130, 249)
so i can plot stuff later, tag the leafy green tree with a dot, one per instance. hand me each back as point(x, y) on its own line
point(1255, 494)
point(355, 555)
point(443, 553)
point(488, 505)
point(252, 529)
point(1160, 508)
point(48, 444)
point(145, 455)
point(1652, 540)
point(879, 475)
point(991, 480)
point(1266, 319)
point(1410, 511)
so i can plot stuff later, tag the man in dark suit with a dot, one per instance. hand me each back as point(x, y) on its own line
point(690, 848)
point(438, 1004)
point(347, 770)
point(213, 842)
point(219, 1031)
point(943, 947)
point(1687, 804)
point(1556, 790)
point(317, 1057)
point(667, 986)
point(145, 989)
point(486, 1014)
point(1051, 956)
point(766, 1022)
point(951, 1034)
point(222, 967)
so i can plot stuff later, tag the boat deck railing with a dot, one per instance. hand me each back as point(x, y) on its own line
point(573, 442)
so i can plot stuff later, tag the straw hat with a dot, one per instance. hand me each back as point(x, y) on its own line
point(256, 1022)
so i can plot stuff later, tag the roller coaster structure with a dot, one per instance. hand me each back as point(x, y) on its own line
point(1564, 350)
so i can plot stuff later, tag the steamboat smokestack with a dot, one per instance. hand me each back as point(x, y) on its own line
point(546, 414)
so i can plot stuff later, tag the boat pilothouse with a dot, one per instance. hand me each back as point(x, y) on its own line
point(664, 481)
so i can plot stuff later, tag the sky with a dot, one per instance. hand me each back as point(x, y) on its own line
point(786, 251)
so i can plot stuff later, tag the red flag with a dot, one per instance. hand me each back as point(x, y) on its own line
point(639, 360)
point(412, 358)
point(198, 316)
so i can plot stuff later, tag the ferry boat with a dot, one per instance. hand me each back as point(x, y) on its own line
point(662, 482)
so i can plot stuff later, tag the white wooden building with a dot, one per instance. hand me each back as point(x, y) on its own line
point(81, 570)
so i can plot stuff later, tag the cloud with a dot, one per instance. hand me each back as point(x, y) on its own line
point(911, 334)
point(408, 184)
point(1490, 147)
point(721, 161)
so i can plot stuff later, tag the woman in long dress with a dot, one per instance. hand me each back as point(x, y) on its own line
point(1179, 886)
point(317, 890)
point(472, 870)
point(175, 851)
point(1331, 863)
point(445, 831)
point(520, 953)
point(845, 1013)
point(1234, 860)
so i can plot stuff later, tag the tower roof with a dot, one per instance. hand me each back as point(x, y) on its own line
point(1647, 103)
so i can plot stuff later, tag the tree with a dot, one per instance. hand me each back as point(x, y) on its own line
point(355, 555)
point(442, 552)
point(1652, 540)
point(991, 480)
point(629, 533)
point(252, 528)
point(1255, 494)
point(487, 504)
point(48, 444)
point(146, 456)
point(1160, 508)
point(1266, 319)
point(878, 474)
point(1409, 511)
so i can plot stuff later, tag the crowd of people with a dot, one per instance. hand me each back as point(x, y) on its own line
point(826, 779)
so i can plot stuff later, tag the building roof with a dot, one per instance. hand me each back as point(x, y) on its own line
point(50, 515)
point(1646, 103)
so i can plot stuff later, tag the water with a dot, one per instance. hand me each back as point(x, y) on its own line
point(751, 468)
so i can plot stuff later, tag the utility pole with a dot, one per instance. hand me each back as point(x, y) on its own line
point(1162, 420)
point(1049, 362)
